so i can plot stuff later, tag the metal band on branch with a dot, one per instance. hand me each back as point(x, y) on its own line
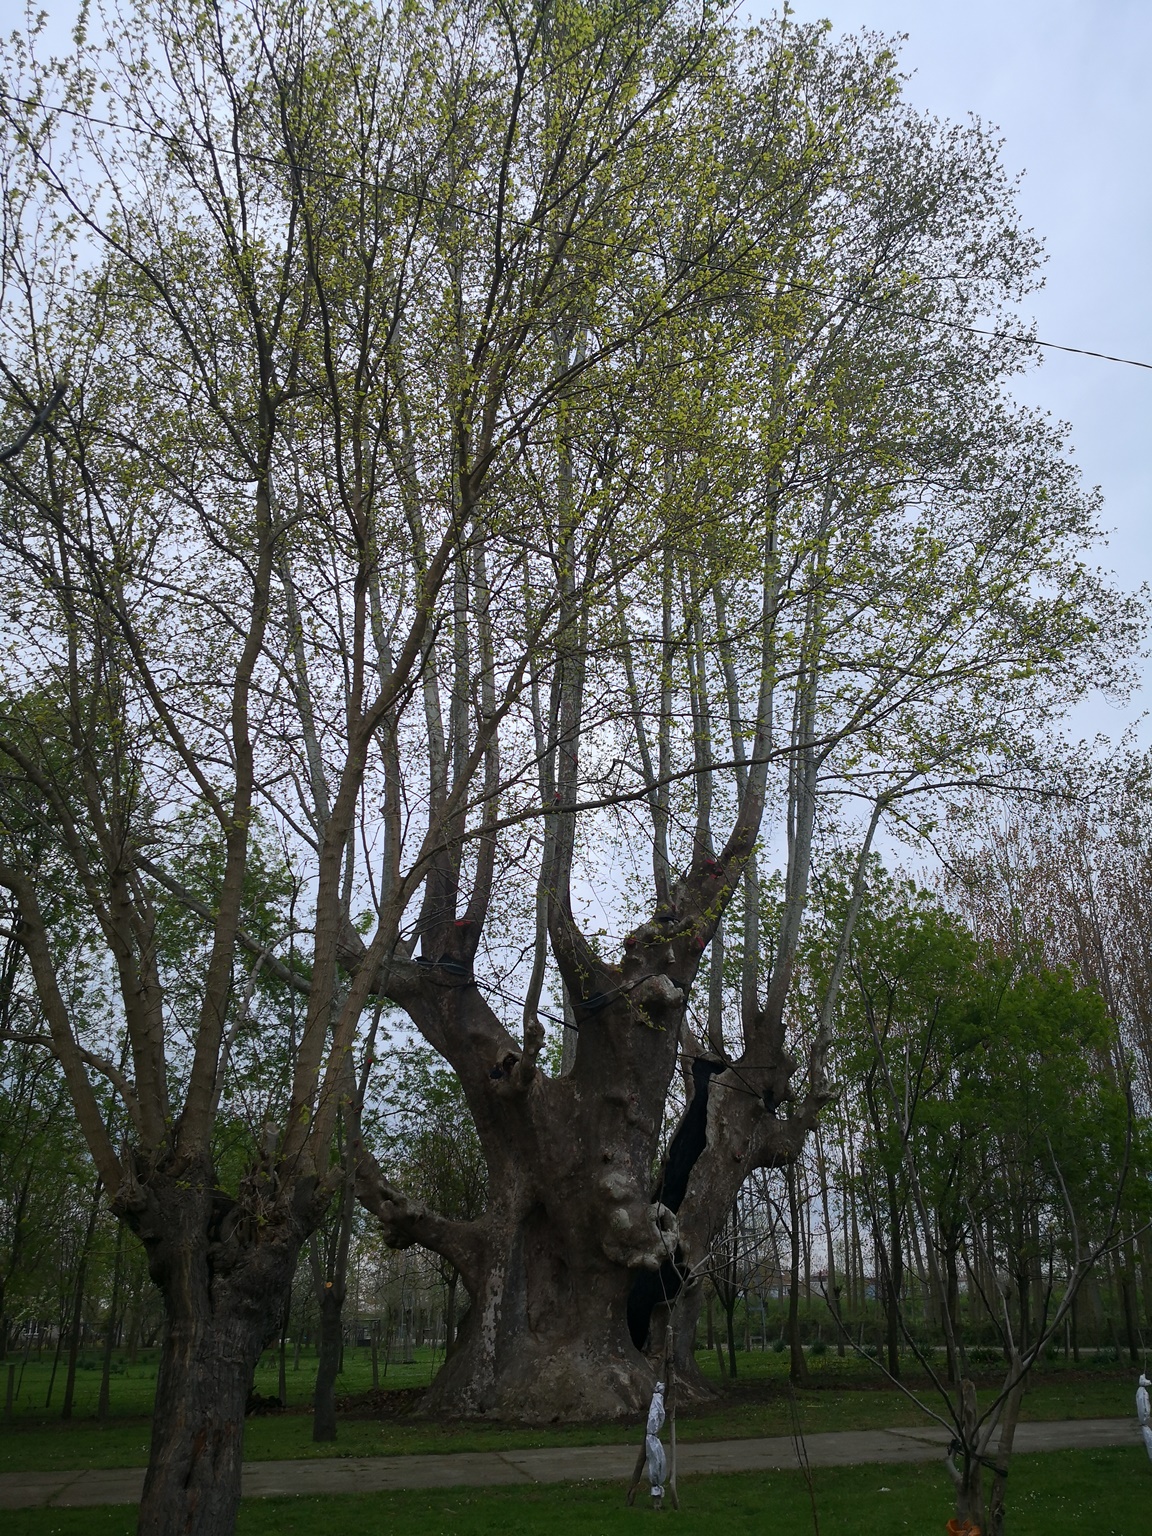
point(37, 424)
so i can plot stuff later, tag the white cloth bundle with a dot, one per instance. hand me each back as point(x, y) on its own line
point(1142, 1404)
point(657, 1463)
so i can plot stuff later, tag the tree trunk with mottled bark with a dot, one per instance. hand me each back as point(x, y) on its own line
point(224, 1278)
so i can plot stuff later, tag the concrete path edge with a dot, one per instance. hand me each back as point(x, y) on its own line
point(584, 1463)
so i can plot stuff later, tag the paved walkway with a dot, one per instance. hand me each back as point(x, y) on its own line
point(485, 1469)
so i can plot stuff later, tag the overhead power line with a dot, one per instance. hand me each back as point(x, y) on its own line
point(1052, 346)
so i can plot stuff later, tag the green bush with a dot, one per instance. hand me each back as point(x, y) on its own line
point(984, 1354)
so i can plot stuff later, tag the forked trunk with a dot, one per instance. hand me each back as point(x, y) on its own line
point(223, 1267)
point(571, 1216)
point(969, 1472)
point(571, 1269)
point(970, 1498)
point(1009, 1418)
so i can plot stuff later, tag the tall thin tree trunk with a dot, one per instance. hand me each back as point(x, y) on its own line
point(730, 1314)
point(282, 1373)
point(110, 1331)
point(60, 1332)
point(1144, 1246)
point(389, 1335)
point(328, 1361)
point(331, 1291)
point(798, 1364)
point(78, 1302)
point(833, 1284)
point(846, 1198)
point(450, 1314)
point(952, 1303)
point(893, 1278)
point(857, 1297)
point(1126, 1266)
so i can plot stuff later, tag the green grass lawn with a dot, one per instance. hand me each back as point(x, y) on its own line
point(132, 1383)
point(846, 1394)
point(1079, 1493)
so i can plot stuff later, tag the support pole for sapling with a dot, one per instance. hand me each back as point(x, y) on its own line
point(670, 1409)
point(667, 1414)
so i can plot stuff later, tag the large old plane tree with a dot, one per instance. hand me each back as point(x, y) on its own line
point(516, 475)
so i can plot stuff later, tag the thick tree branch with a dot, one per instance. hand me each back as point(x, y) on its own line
point(404, 1222)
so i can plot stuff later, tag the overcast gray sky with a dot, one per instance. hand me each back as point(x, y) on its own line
point(1068, 86)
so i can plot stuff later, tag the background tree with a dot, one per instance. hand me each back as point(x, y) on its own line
point(428, 1139)
point(39, 1167)
point(991, 1139)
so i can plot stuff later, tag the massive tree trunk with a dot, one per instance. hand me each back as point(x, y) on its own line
point(573, 1267)
point(546, 1337)
point(571, 1215)
point(206, 1368)
point(224, 1276)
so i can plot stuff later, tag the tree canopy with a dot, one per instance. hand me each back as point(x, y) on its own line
point(513, 472)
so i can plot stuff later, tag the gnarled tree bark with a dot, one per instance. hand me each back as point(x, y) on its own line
point(223, 1268)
